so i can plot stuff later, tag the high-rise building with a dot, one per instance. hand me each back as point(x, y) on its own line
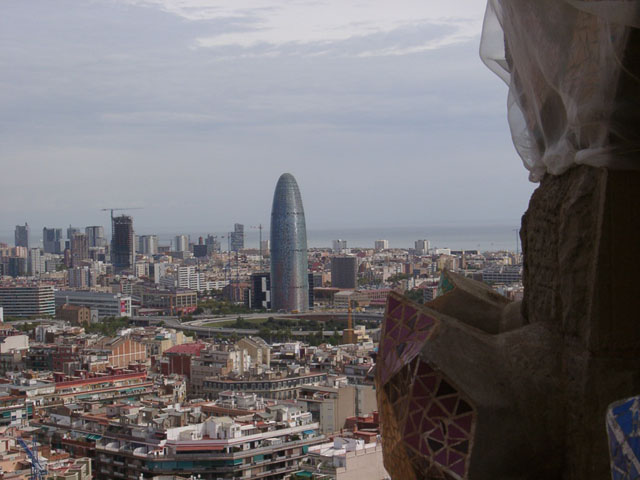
point(237, 237)
point(189, 277)
point(28, 301)
point(148, 244)
point(22, 235)
point(36, 262)
point(15, 266)
point(200, 250)
point(71, 231)
point(95, 236)
point(344, 272)
point(79, 249)
point(260, 291)
point(81, 277)
point(122, 244)
point(311, 280)
point(381, 245)
point(213, 244)
point(422, 247)
point(289, 264)
point(339, 246)
point(52, 239)
point(182, 243)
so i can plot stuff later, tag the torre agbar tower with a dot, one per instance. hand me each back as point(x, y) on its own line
point(289, 281)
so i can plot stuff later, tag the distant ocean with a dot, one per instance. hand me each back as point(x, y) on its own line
point(483, 238)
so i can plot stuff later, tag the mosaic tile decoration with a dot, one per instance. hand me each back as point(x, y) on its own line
point(440, 421)
point(430, 420)
point(623, 428)
point(445, 284)
point(404, 332)
point(392, 401)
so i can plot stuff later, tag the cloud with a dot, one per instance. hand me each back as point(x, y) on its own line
point(380, 110)
point(267, 27)
point(159, 117)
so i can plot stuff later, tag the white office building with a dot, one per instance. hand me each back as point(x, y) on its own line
point(339, 246)
point(36, 265)
point(422, 247)
point(82, 277)
point(506, 274)
point(148, 244)
point(181, 243)
point(95, 236)
point(107, 304)
point(381, 245)
point(34, 301)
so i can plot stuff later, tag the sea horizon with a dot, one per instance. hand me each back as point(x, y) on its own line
point(458, 237)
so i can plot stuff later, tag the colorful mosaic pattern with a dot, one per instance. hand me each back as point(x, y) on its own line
point(392, 405)
point(405, 331)
point(445, 285)
point(431, 423)
point(623, 427)
point(440, 422)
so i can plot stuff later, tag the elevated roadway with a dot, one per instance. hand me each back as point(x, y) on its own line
point(204, 325)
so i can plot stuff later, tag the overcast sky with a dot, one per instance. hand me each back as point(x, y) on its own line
point(192, 109)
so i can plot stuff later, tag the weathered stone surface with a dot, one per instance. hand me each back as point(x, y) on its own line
point(578, 237)
point(489, 373)
point(580, 275)
point(538, 383)
point(559, 241)
point(473, 303)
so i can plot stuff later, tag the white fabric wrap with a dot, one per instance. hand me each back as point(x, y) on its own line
point(572, 69)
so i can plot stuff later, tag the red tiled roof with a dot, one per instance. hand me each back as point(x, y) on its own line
point(186, 348)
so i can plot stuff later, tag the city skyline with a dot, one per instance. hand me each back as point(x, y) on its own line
point(385, 116)
point(483, 237)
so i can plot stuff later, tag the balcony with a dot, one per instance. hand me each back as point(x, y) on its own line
point(246, 453)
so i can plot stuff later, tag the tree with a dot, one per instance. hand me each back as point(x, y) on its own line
point(397, 277)
point(415, 295)
point(265, 333)
point(287, 334)
point(335, 339)
point(109, 326)
point(315, 339)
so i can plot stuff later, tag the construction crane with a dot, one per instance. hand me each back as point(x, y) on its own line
point(347, 334)
point(114, 210)
point(38, 472)
point(117, 209)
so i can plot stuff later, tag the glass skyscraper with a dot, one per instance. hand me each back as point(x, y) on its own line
point(123, 252)
point(289, 281)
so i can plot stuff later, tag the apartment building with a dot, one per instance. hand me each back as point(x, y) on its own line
point(266, 446)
